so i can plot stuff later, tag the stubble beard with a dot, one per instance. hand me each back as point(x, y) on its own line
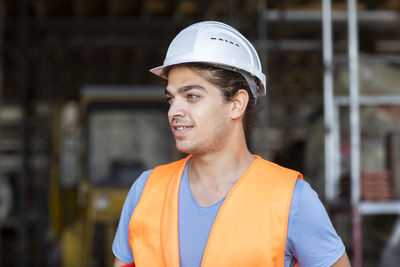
point(205, 144)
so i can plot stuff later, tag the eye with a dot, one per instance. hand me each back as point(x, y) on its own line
point(169, 99)
point(193, 96)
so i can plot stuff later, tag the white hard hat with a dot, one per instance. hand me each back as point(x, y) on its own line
point(217, 44)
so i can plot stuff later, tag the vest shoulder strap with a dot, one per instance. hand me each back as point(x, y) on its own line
point(149, 236)
point(251, 225)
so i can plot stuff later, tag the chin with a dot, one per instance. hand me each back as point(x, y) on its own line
point(183, 149)
point(186, 149)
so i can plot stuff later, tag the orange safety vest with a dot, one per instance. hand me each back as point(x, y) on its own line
point(250, 228)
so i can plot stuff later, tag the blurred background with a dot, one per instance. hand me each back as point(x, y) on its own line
point(81, 117)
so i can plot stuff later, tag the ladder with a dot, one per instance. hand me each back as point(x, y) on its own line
point(354, 101)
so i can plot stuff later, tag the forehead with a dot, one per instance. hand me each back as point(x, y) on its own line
point(181, 73)
point(182, 76)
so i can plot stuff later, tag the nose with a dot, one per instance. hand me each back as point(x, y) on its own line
point(176, 109)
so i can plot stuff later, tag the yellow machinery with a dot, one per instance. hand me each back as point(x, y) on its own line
point(101, 146)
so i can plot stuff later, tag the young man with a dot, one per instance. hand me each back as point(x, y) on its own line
point(221, 205)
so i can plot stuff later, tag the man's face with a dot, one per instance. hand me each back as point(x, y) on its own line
point(198, 116)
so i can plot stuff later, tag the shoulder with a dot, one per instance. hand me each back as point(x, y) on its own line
point(136, 191)
point(277, 170)
point(312, 239)
point(306, 205)
point(120, 247)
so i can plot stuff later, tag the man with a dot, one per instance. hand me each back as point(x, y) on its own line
point(221, 205)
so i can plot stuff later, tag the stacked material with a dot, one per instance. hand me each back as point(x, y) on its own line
point(376, 186)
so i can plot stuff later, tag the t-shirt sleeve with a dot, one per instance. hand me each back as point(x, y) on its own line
point(120, 247)
point(312, 240)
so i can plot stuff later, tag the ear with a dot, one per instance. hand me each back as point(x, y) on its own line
point(239, 104)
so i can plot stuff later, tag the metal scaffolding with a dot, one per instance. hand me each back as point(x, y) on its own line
point(332, 127)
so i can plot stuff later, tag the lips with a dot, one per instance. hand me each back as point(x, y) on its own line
point(180, 130)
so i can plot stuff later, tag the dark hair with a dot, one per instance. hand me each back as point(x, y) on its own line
point(230, 82)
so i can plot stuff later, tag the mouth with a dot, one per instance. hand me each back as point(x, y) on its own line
point(180, 130)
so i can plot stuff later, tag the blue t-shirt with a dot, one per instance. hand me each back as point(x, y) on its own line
point(311, 238)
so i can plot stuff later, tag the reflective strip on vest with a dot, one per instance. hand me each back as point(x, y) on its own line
point(250, 228)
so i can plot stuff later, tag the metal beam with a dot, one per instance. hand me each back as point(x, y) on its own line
point(22, 38)
point(354, 129)
point(104, 41)
point(375, 208)
point(365, 16)
point(370, 100)
point(332, 160)
point(128, 25)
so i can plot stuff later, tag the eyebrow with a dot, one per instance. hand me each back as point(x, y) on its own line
point(187, 88)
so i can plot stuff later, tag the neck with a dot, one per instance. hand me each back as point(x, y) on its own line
point(213, 174)
point(221, 166)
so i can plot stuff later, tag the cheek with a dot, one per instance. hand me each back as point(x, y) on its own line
point(216, 118)
point(210, 114)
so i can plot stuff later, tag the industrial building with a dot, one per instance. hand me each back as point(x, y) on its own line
point(81, 116)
